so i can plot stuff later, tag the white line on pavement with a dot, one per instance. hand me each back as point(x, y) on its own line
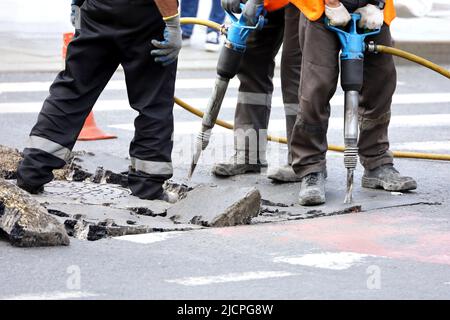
point(414, 121)
point(423, 145)
point(149, 238)
point(231, 277)
point(52, 296)
point(184, 83)
point(191, 83)
point(325, 260)
point(229, 103)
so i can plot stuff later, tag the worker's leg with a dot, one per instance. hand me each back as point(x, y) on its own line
point(188, 9)
point(291, 61)
point(290, 81)
point(151, 92)
point(380, 80)
point(320, 71)
point(217, 14)
point(255, 98)
point(91, 61)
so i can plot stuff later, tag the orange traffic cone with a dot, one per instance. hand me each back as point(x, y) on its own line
point(91, 132)
point(67, 37)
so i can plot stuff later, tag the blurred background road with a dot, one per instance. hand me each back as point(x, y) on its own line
point(31, 33)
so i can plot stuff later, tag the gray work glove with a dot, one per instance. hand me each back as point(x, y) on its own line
point(338, 16)
point(372, 17)
point(75, 15)
point(250, 11)
point(232, 6)
point(167, 50)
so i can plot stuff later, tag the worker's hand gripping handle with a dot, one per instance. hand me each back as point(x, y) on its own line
point(239, 30)
point(353, 45)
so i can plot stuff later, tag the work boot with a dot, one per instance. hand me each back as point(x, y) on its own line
point(388, 178)
point(30, 189)
point(236, 167)
point(312, 189)
point(284, 174)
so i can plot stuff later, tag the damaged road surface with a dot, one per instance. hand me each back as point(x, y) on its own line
point(90, 198)
point(218, 207)
point(25, 222)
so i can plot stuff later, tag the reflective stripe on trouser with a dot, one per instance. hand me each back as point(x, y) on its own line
point(256, 75)
point(109, 36)
point(320, 71)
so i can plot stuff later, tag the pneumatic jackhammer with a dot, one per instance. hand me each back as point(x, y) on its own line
point(227, 68)
point(352, 78)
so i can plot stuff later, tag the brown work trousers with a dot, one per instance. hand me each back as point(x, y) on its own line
point(320, 72)
point(256, 88)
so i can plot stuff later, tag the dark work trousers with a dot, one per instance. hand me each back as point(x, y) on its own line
point(112, 33)
point(320, 71)
point(256, 88)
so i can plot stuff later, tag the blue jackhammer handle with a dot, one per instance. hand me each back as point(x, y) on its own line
point(353, 43)
point(242, 21)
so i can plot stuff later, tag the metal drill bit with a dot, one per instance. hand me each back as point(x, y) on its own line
point(195, 159)
point(209, 120)
point(350, 179)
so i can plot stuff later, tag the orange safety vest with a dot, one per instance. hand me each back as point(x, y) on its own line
point(314, 9)
point(272, 5)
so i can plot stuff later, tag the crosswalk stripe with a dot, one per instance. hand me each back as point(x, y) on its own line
point(149, 238)
point(183, 83)
point(229, 103)
point(423, 145)
point(192, 83)
point(325, 260)
point(57, 295)
point(231, 277)
point(278, 125)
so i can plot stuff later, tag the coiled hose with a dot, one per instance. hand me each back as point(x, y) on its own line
point(372, 48)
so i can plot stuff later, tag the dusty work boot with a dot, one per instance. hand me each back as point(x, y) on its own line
point(236, 167)
point(388, 178)
point(30, 189)
point(312, 189)
point(284, 174)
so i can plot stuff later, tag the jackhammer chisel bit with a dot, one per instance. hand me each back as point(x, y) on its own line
point(209, 120)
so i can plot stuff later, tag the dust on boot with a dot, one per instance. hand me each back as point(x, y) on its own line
point(312, 189)
point(388, 178)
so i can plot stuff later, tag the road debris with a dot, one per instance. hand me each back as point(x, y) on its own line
point(25, 222)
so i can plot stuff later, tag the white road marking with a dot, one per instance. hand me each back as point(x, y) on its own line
point(52, 296)
point(149, 238)
point(190, 83)
point(229, 103)
point(231, 277)
point(423, 145)
point(186, 83)
point(414, 121)
point(325, 260)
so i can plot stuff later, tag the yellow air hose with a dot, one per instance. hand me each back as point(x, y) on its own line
point(376, 48)
point(413, 58)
